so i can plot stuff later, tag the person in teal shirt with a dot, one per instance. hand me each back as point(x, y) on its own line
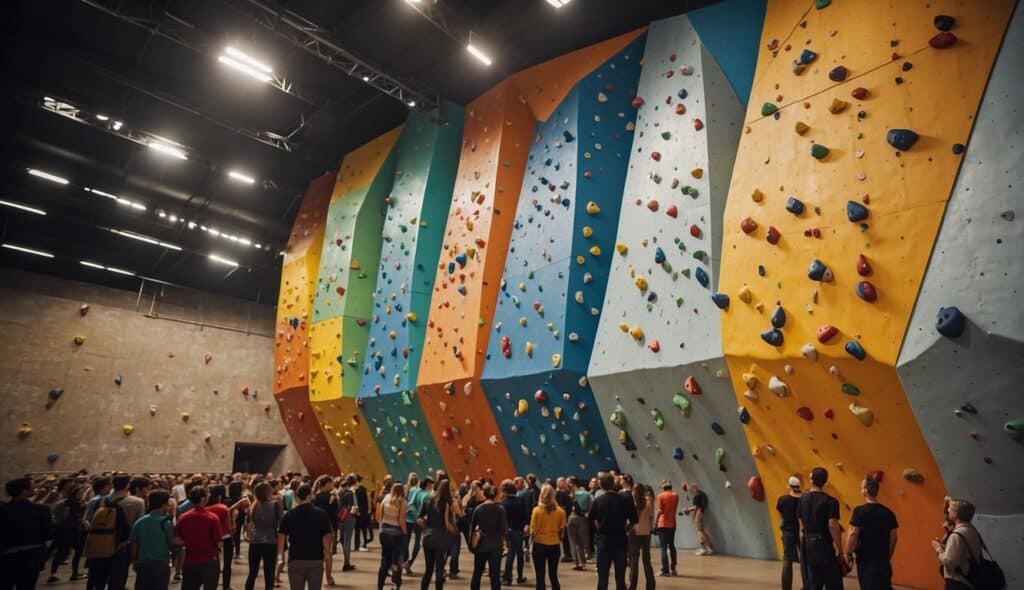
point(288, 495)
point(151, 544)
point(417, 494)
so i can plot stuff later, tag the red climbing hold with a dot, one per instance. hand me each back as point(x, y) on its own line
point(695, 231)
point(652, 205)
point(866, 291)
point(340, 290)
point(672, 211)
point(540, 396)
point(698, 124)
point(588, 174)
point(756, 488)
point(805, 413)
point(692, 387)
point(859, 93)
point(656, 156)
point(877, 475)
point(506, 347)
point(447, 433)
point(863, 266)
point(773, 235)
point(638, 102)
point(829, 413)
point(654, 345)
point(672, 57)
point(943, 40)
point(826, 332)
point(680, 109)
point(748, 225)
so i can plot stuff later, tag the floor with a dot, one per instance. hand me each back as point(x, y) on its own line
point(717, 571)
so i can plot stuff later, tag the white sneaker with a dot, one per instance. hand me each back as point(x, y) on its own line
point(700, 551)
point(709, 551)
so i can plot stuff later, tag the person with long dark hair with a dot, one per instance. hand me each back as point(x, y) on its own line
point(436, 521)
point(487, 529)
point(261, 533)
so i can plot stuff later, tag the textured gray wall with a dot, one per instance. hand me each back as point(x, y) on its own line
point(978, 266)
point(39, 319)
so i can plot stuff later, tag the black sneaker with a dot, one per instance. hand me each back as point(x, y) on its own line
point(348, 568)
point(521, 581)
point(52, 580)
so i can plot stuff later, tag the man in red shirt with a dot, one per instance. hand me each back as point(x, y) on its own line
point(200, 532)
point(668, 503)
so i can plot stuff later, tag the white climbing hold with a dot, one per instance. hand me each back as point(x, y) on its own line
point(788, 369)
point(809, 352)
point(602, 97)
point(777, 386)
point(467, 388)
point(750, 394)
point(834, 371)
point(865, 415)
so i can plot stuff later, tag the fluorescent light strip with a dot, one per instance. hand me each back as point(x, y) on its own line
point(91, 264)
point(22, 207)
point(245, 69)
point(241, 177)
point(117, 125)
point(120, 201)
point(146, 239)
point(558, 3)
point(119, 271)
point(170, 150)
point(97, 191)
point(216, 258)
point(103, 117)
point(27, 250)
point(480, 55)
point(248, 60)
point(47, 176)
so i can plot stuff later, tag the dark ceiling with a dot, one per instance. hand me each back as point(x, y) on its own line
point(152, 66)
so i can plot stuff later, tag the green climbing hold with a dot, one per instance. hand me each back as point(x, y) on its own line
point(659, 419)
point(851, 389)
point(768, 109)
point(700, 255)
point(1014, 428)
point(618, 417)
point(719, 455)
point(666, 134)
point(818, 151)
point(682, 402)
point(685, 272)
point(819, 4)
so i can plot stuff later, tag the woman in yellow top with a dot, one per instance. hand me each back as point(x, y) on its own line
point(547, 526)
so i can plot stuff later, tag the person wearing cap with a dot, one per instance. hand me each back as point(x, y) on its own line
point(788, 508)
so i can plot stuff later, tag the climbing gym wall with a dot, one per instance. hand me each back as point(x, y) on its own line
point(291, 336)
point(657, 368)
point(496, 142)
point(344, 300)
point(426, 157)
point(961, 380)
point(91, 382)
point(848, 157)
point(550, 294)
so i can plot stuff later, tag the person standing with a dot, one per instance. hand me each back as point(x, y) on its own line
point(668, 504)
point(564, 499)
point(698, 509)
point(579, 524)
point(961, 547)
point(872, 540)
point(216, 505)
point(261, 532)
point(69, 532)
point(364, 532)
point(152, 537)
point(822, 539)
point(347, 520)
point(106, 546)
point(391, 516)
point(307, 528)
point(134, 504)
point(435, 520)
point(488, 526)
point(199, 530)
point(639, 540)
point(415, 499)
point(516, 515)
point(327, 501)
point(611, 515)
point(25, 528)
point(547, 527)
point(788, 507)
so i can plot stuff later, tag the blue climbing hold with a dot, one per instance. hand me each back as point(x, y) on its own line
point(958, 148)
point(744, 415)
point(682, 94)
point(717, 428)
point(461, 259)
point(773, 337)
point(838, 73)
point(855, 211)
point(677, 454)
point(462, 289)
point(818, 271)
point(807, 56)
point(52, 458)
point(721, 300)
point(794, 205)
point(951, 322)
point(451, 267)
point(778, 318)
point(569, 138)
point(943, 22)
point(854, 349)
point(659, 256)
point(294, 323)
point(702, 277)
point(901, 139)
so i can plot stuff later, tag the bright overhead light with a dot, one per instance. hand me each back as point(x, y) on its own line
point(91, 264)
point(241, 67)
point(246, 64)
point(103, 117)
point(120, 271)
point(413, 1)
point(216, 258)
point(162, 213)
point(366, 78)
point(146, 239)
point(241, 177)
point(27, 250)
point(97, 191)
point(558, 3)
point(214, 232)
point(47, 176)
point(138, 206)
point(412, 104)
point(22, 207)
point(117, 125)
point(245, 241)
point(191, 225)
point(248, 60)
point(477, 53)
point(257, 246)
point(168, 149)
point(174, 218)
point(120, 200)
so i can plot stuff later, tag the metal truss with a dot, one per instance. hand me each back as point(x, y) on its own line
point(315, 40)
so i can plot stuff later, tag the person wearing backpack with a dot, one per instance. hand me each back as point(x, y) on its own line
point(488, 529)
point(962, 555)
point(25, 528)
point(152, 537)
point(106, 546)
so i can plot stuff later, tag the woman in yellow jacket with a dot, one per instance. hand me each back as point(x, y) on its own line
point(547, 526)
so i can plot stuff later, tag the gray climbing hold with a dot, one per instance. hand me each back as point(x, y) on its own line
point(901, 139)
point(951, 322)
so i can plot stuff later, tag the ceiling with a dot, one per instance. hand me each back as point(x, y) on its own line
point(152, 69)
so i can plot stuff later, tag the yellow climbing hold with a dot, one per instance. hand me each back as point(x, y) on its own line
point(529, 348)
point(556, 360)
point(558, 412)
point(641, 283)
point(801, 127)
point(757, 196)
point(744, 294)
point(522, 407)
point(697, 173)
point(593, 208)
point(637, 333)
point(588, 231)
point(79, 340)
point(411, 316)
point(127, 429)
point(750, 380)
point(621, 248)
point(624, 327)
point(595, 250)
point(25, 430)
point(581, 260)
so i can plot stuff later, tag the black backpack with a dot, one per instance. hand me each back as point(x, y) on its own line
point(983, 573)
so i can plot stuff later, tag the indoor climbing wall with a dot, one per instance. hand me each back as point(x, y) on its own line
point(850, 151)
point(426, 157)
point(657, 369)
point(291, 335)
point(344, 301)
point(499, 129)
point(963, 354)
point(555, 274)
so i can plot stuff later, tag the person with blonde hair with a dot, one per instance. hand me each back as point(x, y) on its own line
point(547, 527)
point(393, 530)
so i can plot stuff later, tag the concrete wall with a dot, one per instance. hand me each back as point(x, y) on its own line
point(160, 362)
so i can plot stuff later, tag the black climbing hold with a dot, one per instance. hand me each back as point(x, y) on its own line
point(958, 148)
point(907, 66)
point(969, 408)
point(778, 318)
point(943, 22)
point(568, 137)
point(760, 270)
point(818, 271)
point(773, 337)
point(702, 277)
point(721, 300)
point(677, 454)
point(950, 322)
point(901, 139)
point(744, 416)
point(717, 428)
point(838, 74)
point(52, 458)
point(855, 211)
point(794, 205)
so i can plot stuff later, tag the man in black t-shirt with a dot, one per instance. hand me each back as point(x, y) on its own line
point(310, 537)
point(873, 540)
point(788, 507)
point(698, 509)
point(564, 499)
point(612, 516)
point(822, 539)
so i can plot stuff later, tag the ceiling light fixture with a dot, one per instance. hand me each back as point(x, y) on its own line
point(27, 250)
point(221, 260)
point(97, 191)
point(112, 269)
point(477, 53)
point(241, 177)
point(167, 149)
point(47, 176)
point(120, 271)
point(14, 205)
point(91, 264)
point(103, 117)
point(412, 104)
point(246, 64)
point(118, 125)
point(558, 3)
point(146, 239)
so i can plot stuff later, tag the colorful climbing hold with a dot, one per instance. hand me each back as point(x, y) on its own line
point(901, 139)
point(855, 211)
point(942, 40)
point(863, 266)
point(838, 73)
point(778, 386)
point(866, 291)
point(748, 225)
point(854, 349)
point(865, 415)
point(772, 235)
point(819, 272)
point(950, 322)
point(912, 475)
point(721, 300)
point(794, 205)
point(768, 109)
point(717, 428)
point(859, 93)
point(778, 317)
point(805, 413)
point(818, 151)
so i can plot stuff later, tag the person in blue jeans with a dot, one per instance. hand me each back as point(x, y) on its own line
point(518, 524)
point(612, 516)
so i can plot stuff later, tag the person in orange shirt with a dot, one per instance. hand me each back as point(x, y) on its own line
point(668, 503)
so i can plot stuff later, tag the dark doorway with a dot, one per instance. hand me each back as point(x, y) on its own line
point(255, 457)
